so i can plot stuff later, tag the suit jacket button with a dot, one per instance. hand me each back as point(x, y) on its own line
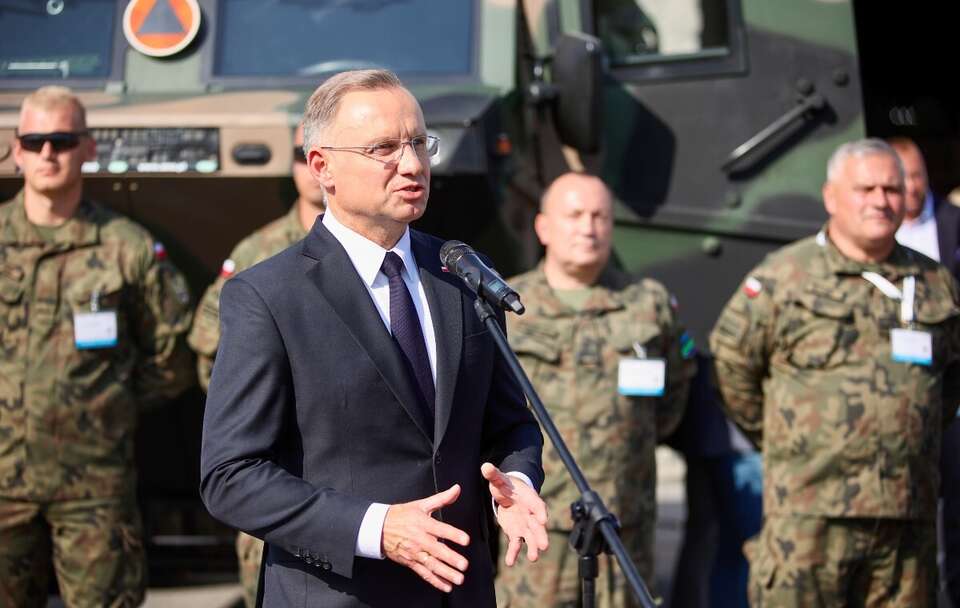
point(325, 565)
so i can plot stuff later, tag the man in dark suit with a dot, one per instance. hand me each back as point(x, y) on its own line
point(356, 395)
point(932, 226)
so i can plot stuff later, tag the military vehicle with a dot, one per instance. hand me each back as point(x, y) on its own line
point(711, 120)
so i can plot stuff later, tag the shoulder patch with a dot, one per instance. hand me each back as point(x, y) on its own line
point(752, 287)
point(687, 346)
point(228, 268)
point(159, 251)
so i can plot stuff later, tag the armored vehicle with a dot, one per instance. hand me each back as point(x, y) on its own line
point(711, 120)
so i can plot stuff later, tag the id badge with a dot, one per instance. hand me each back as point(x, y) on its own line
point(95, 329)
point(911, 346)
point(641, 377)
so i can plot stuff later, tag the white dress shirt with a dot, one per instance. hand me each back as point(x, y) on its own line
point(920, 234)
point(367, 258)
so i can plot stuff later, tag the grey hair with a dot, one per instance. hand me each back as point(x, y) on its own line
point(325, 101)
point(861, 148)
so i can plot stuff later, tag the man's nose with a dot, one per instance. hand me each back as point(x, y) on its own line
point(410, 162)
point(47, 151)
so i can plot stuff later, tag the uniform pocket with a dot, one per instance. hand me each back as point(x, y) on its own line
point(817, 331)
point(539, 344)
point(931, 316)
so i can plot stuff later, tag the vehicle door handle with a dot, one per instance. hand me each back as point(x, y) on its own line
point(807, 106)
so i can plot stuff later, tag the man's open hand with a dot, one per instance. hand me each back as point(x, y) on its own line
point(412, 538)
point(521, 513)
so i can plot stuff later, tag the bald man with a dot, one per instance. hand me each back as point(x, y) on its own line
point(613, 365)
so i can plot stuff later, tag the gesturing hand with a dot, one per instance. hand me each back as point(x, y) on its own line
point(521, 513)
point(412, 538)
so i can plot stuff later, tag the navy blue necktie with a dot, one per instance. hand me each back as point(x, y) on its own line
point(405, 327)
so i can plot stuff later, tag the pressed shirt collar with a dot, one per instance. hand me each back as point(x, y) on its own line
point(926, 214)
point(367, 256)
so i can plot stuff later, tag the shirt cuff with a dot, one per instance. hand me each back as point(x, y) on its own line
point(516, 475)
point(521, 476)
point(371, 531)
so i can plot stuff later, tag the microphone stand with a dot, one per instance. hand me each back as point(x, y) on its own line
point(590, 515)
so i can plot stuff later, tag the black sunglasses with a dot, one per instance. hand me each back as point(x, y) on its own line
point(59, 140)
point(299, 156)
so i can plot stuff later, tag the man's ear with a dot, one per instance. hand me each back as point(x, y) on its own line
point(541, 225)
point(18, 154)
point(89, 148)
point(829, 202)
point(319, 165)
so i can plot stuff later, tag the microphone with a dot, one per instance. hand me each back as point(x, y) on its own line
point(460, 259)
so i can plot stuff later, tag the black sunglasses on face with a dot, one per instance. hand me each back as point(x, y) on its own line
point(59, 140)
point(299, 156)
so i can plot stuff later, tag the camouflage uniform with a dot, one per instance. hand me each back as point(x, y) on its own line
point(68, 415)
point(572, 357)
point(850, 438)
point(205, 337)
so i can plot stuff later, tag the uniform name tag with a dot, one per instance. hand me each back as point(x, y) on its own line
point(95, 329)
point(911, 346)
point(641, 377)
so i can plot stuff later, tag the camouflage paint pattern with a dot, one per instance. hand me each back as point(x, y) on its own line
point(572, 358)
point(266, 242)
point(205, 337)
point(68, 416)
point(804, 366)
point(805, 562)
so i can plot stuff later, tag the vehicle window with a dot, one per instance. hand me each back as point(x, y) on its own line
point(646, 31)
point(297, 38)
point(56, 39)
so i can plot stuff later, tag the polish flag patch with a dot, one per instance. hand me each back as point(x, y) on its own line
point(159, 251)
point(227, 268)
point(752, 287)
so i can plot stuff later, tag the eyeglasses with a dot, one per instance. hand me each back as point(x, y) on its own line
point(59, 140)
point(299, 156)
point(391, 150)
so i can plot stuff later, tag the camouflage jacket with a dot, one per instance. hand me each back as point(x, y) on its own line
point(263, 243)
point(572, 359)
point(68, 415)
point(804, 366)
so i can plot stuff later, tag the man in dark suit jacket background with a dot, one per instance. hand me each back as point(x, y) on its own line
point(356, 394)
point(931, 225)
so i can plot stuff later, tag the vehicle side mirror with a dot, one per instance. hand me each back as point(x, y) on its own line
point(578, 80)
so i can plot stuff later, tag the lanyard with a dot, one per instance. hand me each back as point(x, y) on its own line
point(890, 290)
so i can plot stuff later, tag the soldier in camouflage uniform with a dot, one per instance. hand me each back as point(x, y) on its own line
point(93, 321)
point(585, 322)
point(840, 357)
point(205, 334)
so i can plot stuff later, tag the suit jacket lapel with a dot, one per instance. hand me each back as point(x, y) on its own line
point(446, 307)
point(340, 285)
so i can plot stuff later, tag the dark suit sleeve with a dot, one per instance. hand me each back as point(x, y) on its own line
point(510, 431)
point(250, 406)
